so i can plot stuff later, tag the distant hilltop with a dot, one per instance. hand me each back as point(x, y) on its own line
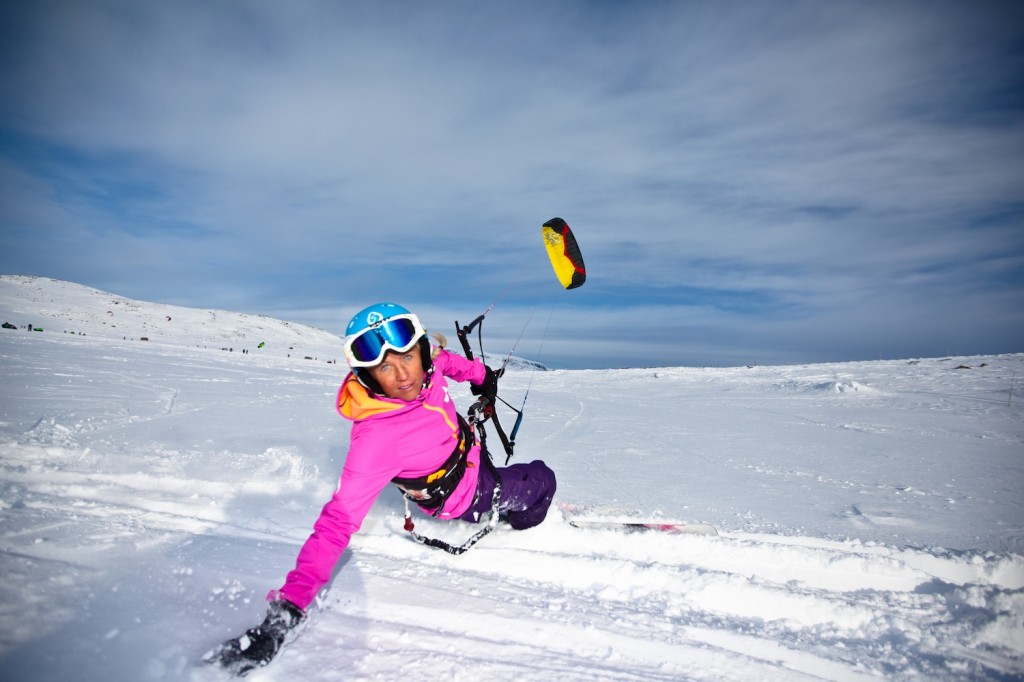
point(58, 307)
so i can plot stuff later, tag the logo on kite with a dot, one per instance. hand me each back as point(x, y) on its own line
point(564, 253)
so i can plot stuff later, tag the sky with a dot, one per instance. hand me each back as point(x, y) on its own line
point(749, 183)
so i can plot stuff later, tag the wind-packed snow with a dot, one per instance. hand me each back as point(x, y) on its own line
point(152, 492)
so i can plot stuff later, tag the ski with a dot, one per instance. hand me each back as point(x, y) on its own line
point(597, 519)
point(642, 526)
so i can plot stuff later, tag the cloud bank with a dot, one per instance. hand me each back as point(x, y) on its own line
point(749, 183)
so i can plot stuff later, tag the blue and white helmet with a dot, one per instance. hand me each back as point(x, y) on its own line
point(378, 328)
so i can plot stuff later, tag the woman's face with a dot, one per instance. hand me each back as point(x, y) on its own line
point(400, 375)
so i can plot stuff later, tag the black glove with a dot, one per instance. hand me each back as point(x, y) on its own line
point(489, 388)
point(258, 646)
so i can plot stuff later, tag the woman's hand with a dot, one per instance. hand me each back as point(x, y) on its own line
point(258, 646)
point(489, 387)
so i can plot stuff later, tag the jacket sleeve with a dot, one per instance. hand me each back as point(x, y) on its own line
point(459, 368)
point(365, 474)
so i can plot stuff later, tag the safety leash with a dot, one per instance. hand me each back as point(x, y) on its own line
point(492, 520)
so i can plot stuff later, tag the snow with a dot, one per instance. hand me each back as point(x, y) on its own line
point(151, 493)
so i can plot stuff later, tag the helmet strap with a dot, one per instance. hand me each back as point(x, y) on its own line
point(364, 377)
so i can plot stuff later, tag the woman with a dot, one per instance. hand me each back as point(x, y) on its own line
point(406, 430)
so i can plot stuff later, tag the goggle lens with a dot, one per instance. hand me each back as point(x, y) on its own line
point(397, 333)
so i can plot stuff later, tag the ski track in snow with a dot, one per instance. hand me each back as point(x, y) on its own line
point(151, 493)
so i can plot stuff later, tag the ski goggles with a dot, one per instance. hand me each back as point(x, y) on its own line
point(398, 333)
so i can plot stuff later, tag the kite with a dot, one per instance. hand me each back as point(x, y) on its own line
point(564, 253)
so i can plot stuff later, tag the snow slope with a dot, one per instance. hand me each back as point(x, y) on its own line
point(68, 308)
point(151, 493)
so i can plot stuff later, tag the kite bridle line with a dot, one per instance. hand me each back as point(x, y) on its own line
point(534, 371)
point(483, 409)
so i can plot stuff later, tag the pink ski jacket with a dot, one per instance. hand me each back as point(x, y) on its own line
point(389, 438)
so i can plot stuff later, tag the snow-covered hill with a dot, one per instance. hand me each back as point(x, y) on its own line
point(54, 306)
point(871, 516)
point(59, 307)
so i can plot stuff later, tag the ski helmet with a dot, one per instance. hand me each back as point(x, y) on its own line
point(378, 328)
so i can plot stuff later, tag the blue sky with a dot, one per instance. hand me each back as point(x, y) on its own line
point(753, 182)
